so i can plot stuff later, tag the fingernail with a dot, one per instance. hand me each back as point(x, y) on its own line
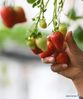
point(48, 60)
point(64, 65)
point(51, 59)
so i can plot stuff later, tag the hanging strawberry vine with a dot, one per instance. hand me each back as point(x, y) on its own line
point(46, 46)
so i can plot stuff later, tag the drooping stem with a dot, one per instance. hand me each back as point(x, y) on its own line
point(60, 6)
point(59, 9)
point(43, 8)
point(47, 3)
point(41, 13)
point(5, 2)
point(36, 27)
point(9, 3)
point(55, 21)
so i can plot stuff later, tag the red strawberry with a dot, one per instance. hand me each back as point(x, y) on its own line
point(8, 15)
point(57, 39)
point(20, 15)
point(62, 58)
point(51, 49)
point(36, 51)
point(49, 37)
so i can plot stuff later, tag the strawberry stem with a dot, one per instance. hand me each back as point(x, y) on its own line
point(8, 3)
point(43, 8)
point(55, 21)
point(41, 14)
point(47, 3)
point(58, 5)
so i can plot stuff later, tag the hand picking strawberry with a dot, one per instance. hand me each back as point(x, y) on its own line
point(56, 44)
point(60, 49)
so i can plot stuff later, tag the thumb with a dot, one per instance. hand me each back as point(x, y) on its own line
point(71, 43)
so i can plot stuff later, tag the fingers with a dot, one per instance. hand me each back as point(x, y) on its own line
point(48, 60)
point(71, 43)
point(58, 67)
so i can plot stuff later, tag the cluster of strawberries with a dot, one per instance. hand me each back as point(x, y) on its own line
point(12, 15)
point(55, 48)
point(42, 46)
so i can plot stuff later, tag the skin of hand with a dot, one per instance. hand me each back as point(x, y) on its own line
point(74, 70)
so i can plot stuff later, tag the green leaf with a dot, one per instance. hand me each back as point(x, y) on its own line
point(78, 33)
point(72, 14)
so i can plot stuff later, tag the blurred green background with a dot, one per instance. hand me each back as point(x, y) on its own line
point(18, 35)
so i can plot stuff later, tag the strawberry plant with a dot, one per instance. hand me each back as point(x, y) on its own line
point(39, 42)
point(54, 43)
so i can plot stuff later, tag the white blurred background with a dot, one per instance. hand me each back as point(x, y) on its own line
point(23, 75)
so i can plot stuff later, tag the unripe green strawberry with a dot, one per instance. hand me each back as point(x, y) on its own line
point(31, 42)
point(41, 43)
point(43, 23)
point(63, 28)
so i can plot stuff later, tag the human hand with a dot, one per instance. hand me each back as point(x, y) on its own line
point(74, 70)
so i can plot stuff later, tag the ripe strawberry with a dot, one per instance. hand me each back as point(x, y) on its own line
point(20, 15)
point(51, 49)
point(36, 51)
point(57, 39)
point(49, 37)
point(8, 15)
point(62, 58)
